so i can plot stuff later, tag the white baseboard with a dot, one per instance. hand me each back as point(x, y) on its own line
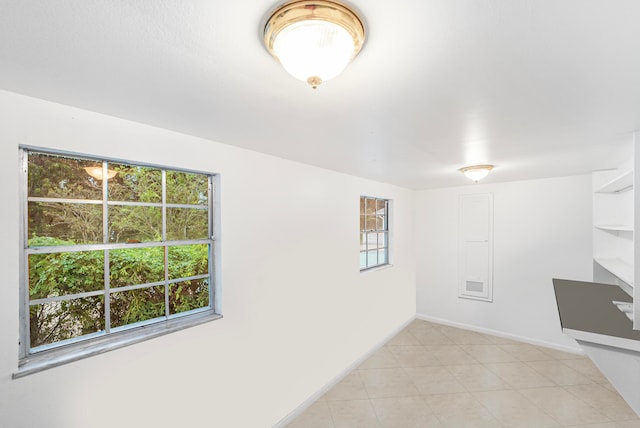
point(336, 379)
point(502, 334)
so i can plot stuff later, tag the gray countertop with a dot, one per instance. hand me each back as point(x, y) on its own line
point(588, 307)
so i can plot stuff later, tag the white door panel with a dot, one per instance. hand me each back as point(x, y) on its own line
point(476, 247)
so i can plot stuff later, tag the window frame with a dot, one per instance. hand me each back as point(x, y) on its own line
point(386, 230)
point(55, 354)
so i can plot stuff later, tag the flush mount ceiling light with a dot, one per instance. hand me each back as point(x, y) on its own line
point(314, 40)
point(476, 172)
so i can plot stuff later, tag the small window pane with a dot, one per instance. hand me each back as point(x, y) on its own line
point(370, 206)
point(187, 223)
point(60, 274)
point(370, 223)
point(188, 295)
point(382, 240)
point(133, 266)
point(74, 223)
point(53, 176)
point(372, 241)
point(382, 256)
point(363, 259)
point(55, 321)
point(363, 241)
point(135, 184)
point(381, 222)
point(135, 224)
point(362, 222)
point(372, 258)
point(188, 260)
point(187, 188)
point(381, 206)
point(129, 307)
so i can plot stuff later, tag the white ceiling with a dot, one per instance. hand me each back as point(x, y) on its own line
point(539, 88)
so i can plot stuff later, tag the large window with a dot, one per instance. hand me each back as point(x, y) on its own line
point(374, 232)
point(112, 249)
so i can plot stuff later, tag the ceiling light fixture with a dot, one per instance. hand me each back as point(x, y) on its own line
point(314, 40)
point(476, 172)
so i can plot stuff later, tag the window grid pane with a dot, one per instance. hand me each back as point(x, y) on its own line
point(131, 201)
point(49, 321)
point(374, 232)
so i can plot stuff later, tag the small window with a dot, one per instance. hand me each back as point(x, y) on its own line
point(112, 249)
point(374, 232)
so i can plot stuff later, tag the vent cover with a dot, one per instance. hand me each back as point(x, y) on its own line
point(475, 286)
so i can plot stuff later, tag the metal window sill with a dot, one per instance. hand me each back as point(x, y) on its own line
point(48, 359)
point(376, 268)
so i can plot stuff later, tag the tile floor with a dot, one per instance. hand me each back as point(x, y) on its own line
point(431, 375)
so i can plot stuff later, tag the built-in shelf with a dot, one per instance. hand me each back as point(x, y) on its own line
point(619, 184)
point(604, 316)
point(616, 218)
point(615, 227)
point(618, 267)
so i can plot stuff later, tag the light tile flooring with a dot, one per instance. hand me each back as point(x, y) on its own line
point(431, 375)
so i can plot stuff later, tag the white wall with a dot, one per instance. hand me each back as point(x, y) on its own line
point(297, 311)
point(542, 230)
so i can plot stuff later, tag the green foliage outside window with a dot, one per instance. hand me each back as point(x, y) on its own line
point(58, 216)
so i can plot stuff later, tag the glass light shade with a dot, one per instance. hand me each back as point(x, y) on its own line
point(96, 172)
point(310, 49)
point(476, 172)
point(314, 40)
